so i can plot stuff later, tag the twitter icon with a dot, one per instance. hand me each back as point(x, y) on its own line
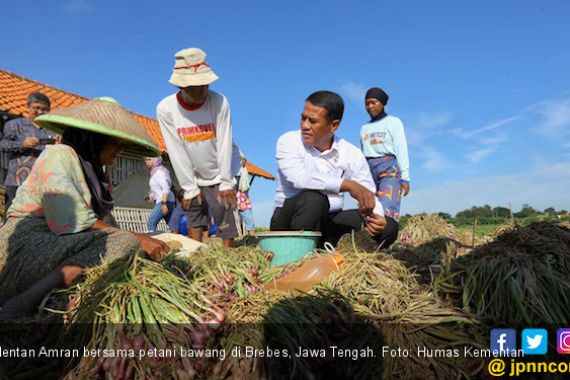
point(534, 341)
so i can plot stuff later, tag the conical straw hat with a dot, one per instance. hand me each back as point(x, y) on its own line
point(105, 116)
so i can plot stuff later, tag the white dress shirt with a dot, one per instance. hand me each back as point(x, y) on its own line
point(303, 167)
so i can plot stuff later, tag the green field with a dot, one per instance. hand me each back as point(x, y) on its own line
point(482, 229)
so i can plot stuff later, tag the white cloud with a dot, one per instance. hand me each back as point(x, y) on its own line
point(490, 144)
point(420, 133)
point(553, 121)
point(431, 158)
point(354, 91)
point(555, 118)
point(414, 136)
point(494, 140)
point(434, 121)
point(78, 6)
point(461, 133)
point(475, 156)
point(515, 188)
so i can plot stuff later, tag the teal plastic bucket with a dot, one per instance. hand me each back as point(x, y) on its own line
point(288, 246)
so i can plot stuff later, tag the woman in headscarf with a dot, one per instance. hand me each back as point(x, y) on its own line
point(55, 224)
point(383, 142)
point(160, 192)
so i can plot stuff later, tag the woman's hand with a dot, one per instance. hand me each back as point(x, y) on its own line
point(164, 209)
point(154, 248)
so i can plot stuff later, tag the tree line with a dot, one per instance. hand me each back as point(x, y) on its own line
point(498, 215)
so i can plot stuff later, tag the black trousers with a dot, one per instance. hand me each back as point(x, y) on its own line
point(309, 210)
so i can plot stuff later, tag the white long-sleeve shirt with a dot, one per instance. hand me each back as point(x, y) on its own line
point(199, 142)
point(160, 184)
point(303, 167)
point(386, 136)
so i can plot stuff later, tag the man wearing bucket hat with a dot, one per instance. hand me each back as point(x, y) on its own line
point(196, 126)
point(55, 224)
point(316, 168)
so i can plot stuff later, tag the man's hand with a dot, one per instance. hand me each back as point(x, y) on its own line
point(187, 203)
point(365, 198)
point(155, 249)
point(375, 224)
point(164, 209)
point(228, 198)
point(31, 142)
point(404, 189)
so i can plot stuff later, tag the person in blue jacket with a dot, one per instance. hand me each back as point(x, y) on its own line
point(383, 142)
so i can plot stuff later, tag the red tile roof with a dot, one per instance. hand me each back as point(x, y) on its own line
point(14, 91)
point(256, 170)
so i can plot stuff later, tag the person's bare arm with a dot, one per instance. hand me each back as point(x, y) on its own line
point(154, 248)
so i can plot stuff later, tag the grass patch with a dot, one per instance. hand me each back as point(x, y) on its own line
point(482, 229)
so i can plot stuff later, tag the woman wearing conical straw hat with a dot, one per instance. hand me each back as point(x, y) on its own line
point(55, 224)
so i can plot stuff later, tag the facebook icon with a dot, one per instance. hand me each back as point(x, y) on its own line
point(503, 341)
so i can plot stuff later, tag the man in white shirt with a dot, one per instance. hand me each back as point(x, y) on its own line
point(315, 168)
point(196, 126)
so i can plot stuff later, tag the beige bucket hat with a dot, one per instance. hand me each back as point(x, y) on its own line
point(191, 69)
point(105, 116)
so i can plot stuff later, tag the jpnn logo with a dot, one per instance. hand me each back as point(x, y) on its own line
point(534, 341)
point(503, 341)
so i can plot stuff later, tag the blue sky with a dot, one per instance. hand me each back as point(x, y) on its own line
point(483, 88)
